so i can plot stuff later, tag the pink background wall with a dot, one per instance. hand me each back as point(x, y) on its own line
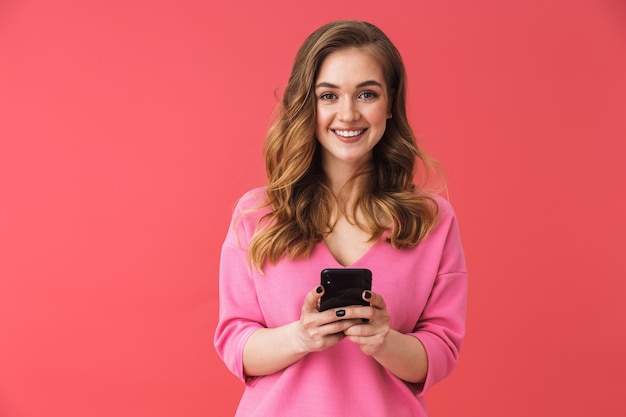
point(128, 130)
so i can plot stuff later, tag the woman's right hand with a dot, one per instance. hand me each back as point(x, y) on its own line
point(269, 350)
point(319, 330)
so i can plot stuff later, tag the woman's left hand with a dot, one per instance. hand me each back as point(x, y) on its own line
point(372, 333)
point(401, 354)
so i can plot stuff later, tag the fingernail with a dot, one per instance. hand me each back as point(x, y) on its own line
point(340, 313)
point(319, 289)
point(368, 294)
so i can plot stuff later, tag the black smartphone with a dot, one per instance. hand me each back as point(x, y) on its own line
point(344, 287)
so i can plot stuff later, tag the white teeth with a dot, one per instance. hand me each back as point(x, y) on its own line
point(348, 133)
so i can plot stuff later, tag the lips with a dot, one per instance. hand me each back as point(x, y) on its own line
point(348, 134)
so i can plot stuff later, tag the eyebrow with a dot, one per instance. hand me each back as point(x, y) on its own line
point(363, 84)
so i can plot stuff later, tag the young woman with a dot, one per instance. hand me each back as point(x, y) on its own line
point(342, 166)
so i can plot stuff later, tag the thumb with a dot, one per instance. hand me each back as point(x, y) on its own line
point(312, 299)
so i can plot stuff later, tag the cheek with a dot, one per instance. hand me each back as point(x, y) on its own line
point(378, 114)
point(322, 118)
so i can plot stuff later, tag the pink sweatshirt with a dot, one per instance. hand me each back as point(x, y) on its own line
point(425, 290)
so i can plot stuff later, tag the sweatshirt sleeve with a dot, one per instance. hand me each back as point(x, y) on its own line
point(239, 311)
point(441, 327)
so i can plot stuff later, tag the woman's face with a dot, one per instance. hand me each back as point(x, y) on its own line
point(352, 107)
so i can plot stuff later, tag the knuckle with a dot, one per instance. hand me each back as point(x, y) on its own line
point(337, 326)
point(308, 323)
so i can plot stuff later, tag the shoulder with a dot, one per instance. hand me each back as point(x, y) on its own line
point(444, 208)
point(443, 241)
point(446, 218)
point(248, 212)
point(251, 200)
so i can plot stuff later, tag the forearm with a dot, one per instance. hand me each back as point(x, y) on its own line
point(269, 350)
point(404, 356)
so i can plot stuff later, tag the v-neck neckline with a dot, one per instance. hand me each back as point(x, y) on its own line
point(361, 259)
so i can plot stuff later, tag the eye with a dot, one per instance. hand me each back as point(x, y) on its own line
point(327, 96)
point(368, 95)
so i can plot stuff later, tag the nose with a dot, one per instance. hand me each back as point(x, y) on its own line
point(348, 111)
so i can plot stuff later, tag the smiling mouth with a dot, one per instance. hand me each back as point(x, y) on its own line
point(348, 133)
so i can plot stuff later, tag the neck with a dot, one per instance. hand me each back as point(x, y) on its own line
point(343, 184)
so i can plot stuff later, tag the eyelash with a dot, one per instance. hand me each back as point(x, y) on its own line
point(327, 96)
point(372, 94)
point(331, 96)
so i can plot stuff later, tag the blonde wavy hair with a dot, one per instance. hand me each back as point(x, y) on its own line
point(300, 203)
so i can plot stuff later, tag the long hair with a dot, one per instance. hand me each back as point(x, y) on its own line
point(300, 203)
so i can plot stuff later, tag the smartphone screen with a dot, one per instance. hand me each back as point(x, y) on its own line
point(344, 287)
